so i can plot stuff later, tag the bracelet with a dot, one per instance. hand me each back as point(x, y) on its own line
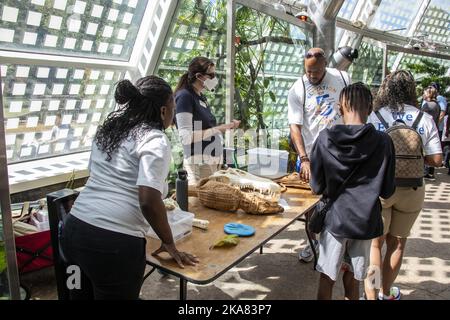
point(304, 159)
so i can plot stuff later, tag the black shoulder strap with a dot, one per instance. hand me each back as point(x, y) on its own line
point(342, 76)
point(341, 188)
point(304, 93)
point(378, 114)
point(416, 122)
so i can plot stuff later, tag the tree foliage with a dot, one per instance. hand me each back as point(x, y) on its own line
point(427, 71)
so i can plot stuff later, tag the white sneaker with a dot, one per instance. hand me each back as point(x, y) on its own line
point(307, 255)
point(394, 294)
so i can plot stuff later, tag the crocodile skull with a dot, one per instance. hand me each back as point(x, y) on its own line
point(248, 182)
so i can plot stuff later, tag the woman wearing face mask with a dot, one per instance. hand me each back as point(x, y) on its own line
point(200, 135)
point(104, 235)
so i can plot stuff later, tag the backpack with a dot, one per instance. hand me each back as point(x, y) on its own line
point(409, 157)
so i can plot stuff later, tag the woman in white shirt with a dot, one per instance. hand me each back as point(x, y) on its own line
point(105, 232)
point(396, 100)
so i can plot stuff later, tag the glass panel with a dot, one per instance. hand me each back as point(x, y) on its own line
point(97, 29)
point(269, 59)
point(52, 110)
point(394, 15)
point(345, 13)
point(347, 9)
point(435, 23)
point(368, 68)
point(199, 29)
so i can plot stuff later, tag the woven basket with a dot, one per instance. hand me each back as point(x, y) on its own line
point(293, 180)
point(218, 195)
point(254, 204)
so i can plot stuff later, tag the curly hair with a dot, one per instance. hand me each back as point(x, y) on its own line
point(397, 89)
point(139, 108)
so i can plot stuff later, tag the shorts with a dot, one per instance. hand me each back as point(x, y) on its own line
point(335, 250)
point(401, 210)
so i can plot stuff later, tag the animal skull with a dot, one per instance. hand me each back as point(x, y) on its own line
point(248, 182)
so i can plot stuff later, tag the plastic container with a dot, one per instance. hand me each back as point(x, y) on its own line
point(180, 223)
point(298, 164)
point(41, 226)
point(269, 163)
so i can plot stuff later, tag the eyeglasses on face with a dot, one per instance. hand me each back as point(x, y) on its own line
point(315, 54)
point(212, 75)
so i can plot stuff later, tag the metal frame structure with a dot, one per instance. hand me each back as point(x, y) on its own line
point(412, 29)
point(363, 11)
point(130, 69)
point(5, 214)
point(158, 38)
point(231, 34)
point(390, 47)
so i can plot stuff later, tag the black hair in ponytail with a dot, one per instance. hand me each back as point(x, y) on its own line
point(139, 107)
point(197, 65)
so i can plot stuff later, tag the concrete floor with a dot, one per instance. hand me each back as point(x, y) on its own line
point(277, 274)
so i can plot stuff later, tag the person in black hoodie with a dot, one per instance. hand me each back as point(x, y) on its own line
point(356, 150)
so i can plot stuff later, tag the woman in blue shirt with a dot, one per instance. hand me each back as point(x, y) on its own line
point(200, 135)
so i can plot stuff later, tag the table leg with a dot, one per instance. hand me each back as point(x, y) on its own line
point(310, 240)
point(183, 289)
point(149, 273)
point(308, 234)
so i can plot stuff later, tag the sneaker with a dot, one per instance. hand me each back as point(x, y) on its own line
point(307, 255)
point(394, 294)
point(430, 177)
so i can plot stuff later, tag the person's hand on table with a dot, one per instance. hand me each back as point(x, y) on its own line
point(305, 171)
point(180, 257)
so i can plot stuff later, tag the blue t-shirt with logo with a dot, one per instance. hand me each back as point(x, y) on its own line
point(202, 119)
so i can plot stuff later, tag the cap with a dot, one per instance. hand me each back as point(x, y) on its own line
point(182, 174)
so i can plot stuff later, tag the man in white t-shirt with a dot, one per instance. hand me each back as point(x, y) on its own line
point(312, 107)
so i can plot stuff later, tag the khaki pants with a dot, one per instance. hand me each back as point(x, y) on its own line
point(401, 210)
point(198, 171)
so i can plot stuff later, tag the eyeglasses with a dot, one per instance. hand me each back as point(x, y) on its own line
point(315, 54)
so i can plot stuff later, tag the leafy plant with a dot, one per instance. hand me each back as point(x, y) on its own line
point(428, 71)
point(254, 97)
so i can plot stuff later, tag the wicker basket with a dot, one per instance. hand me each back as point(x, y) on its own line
point(293, 180)
point(218, 195)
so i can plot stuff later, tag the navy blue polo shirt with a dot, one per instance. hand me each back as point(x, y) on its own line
point(189, 101)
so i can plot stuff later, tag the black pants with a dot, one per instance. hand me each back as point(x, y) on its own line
point(112, 264)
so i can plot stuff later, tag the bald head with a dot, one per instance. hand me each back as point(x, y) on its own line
point(315, 65)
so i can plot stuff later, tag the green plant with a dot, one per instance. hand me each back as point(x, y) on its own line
point(427, 71)
point(70, 183)
point(254, 96)
point(2, 257)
